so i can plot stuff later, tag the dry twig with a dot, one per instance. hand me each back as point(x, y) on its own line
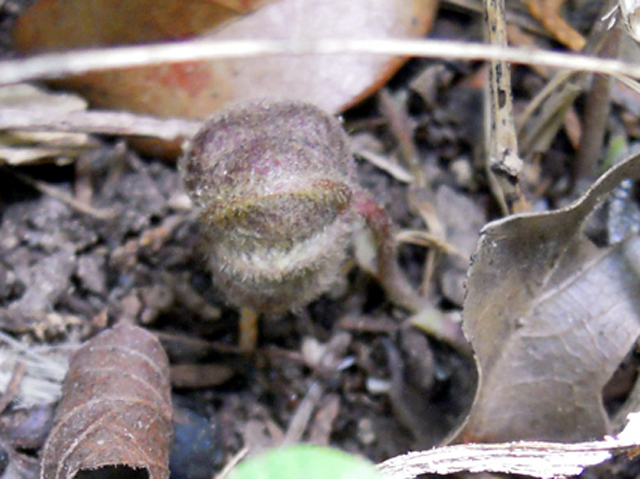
point(504, 164)
point(547, 12)
point(100, 122)
point(56, 65)
point(328, 363)
point(535, 459)
point(13, 387)
point(596, 116)
point(42, 187)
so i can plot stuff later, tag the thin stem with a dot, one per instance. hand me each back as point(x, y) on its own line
point(56, 65)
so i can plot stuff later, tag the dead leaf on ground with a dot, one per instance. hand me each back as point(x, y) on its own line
point(115, 409)
point(196, 89)
point(550, 317)
point(19, 147)
point(62, 24)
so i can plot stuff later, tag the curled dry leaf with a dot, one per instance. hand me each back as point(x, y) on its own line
point(550, 317)
point(196, 89)
point(115, 409)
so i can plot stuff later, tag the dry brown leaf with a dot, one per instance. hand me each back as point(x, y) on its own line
point(53, 25)
point(115, 408)
point(196, 89)
point(550, 317)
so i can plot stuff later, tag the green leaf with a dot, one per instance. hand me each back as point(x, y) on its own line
point(306, 461)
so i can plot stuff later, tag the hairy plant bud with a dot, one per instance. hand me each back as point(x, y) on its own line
point(278, 197)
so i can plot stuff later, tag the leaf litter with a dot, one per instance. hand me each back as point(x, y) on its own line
point(115, 410)
point(564, 313)
point(137, 249)
point(196, 89)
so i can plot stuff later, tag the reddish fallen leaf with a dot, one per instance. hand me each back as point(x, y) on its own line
point(550, 317)
point(61, 24)
point(115, 409)
point(196, 89)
